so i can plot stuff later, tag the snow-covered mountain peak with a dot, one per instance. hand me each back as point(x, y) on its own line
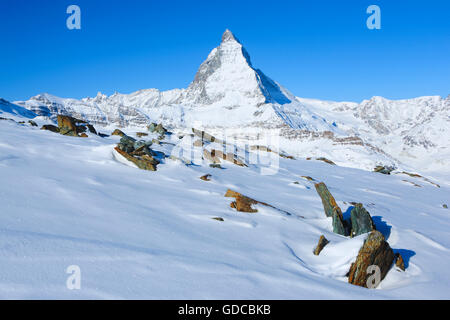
point(228, 36)
point(227, 78)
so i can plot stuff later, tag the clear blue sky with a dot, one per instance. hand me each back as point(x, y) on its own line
point(317, 49)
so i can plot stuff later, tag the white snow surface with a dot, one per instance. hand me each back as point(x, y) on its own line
point(150, 235)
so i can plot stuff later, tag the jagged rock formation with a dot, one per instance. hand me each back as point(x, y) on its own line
point(361, 220)
point(375, 251)
point(332, 209)
point(399, 262)
point(322, 243)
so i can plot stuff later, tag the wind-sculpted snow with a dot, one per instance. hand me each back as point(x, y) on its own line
point(138, 234)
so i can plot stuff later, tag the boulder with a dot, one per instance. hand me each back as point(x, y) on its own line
point(375, 251)
point(332, 209)
point(361, 220)
point(325, 160)
point(118, 132)
point(244, 203)
point(241, 203)
point(399, 261)
point(151, 127)
point(32, 123)
point(127, 144)
point(328, 201)
point(383, 169)
point(216, 166)
point(67, 126)
point(206, 177)
point(445, 206)
point(160, 129)
point(218, 219)
point(70, 126)
point(339, 225)
point(142, 161)
point(157, 128)
point(50, 127)
point(141, 134)
point(141, 144)
point(322, 243)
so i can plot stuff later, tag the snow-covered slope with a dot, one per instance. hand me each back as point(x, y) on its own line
point(138, 234)
point(415, 131)
point(13, 111)
point(229, 93)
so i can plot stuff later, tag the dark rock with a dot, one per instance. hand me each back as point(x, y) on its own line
point(332, 210)
point(361, 220)
point(216, 166)
point(445, 206)
point(218, 219)
point(206, 177)
point(50, 127)
point(322, 243)
point(70, 126)
point(157, 128)
point(399, 261)
point(141, 134)
point(91, 128)
point(140, 144)
point(160, 129)
point(102, 135)
point(127, 144)
point(383, 169)
point(32, 123)
point(118, 132)
point(325, 160)
point(375, 251)
point(144, 161)
point(339, 225)
point(242, 203)
point(151, 127)
point(328, 201)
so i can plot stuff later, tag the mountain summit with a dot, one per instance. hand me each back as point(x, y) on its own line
point(228, 36)
point(228, 78)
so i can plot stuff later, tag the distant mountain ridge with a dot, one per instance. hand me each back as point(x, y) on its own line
point(228, 92)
